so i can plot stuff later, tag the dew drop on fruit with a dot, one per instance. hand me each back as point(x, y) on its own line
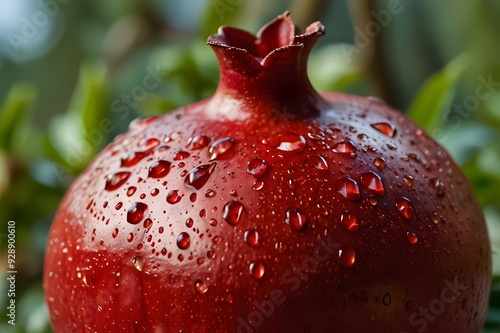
point(233, 212)
point(348, 188)
point(408, 180)
point(344, 147)
point(132, 158)
point(172, 137)
point(148, 223)
point(198, 142)
point(119, 205)
point(137, 261)
point(412, 238)
point(173, 197)
point(373, 182)
point(317, 162)
point(385, 128)
point(291, 142)
point(200, 287)
point(150, 143)
point(349, 221)
point(258, 185)
point(346, 256)
point(135, 213)
point(257, 167)
point(212, 222)
point(130, 237)
point(257, 270)
point(159, 169)
point(380, 163)
point(116, 180)
point(210, 193)
point(438, 185)
point(386, 300)
point(295, 218)
point(115, 233)
point(189, 222)
point(154, 192)
point(131, 190)
point(199, 175)
point(220, 146)
point(373, 201)
point(405, 207)
point(183, 240)
point(181, 155)
point(251, 237)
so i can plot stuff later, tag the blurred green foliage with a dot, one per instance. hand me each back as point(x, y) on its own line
point(67, 94)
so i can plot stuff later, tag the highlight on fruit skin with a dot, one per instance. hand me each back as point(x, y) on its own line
point(270, 207)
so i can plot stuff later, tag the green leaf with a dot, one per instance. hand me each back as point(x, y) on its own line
point(89, 100)
point(431, 104)
point(13, 114)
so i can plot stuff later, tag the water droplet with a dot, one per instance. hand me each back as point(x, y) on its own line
point(380, 163)
point(346, 256)
point(198, 142)
point(373, 201)
point(172, 137)
point(217, 240)
point(258, 185)
point(408, 180)
point(251, 237)
point(130, 237)
point(295, 218)
point(317, 162)
point(386, 300)
point(210, 193)
point(348, 188)
point(203, 213)
point(154, 192)
point(131, 190)
point(135, 213)
point(405, 207)
point(137, 261)
point(439, 186)
point(148, 223)
point(233, 212)
point(116, 180)
point(280, 246)
point(373, 318)
point(385, 128)
point(345, 146)
point(435, 218)
point(257, 270)
point(133, 157)
point(291, 142)
point(173, 197)
point(181, 155)
point(159, 169)
point(115, 233)
point(189, 222)
point(349, 221)
point(412, 238)
point(119, 205)
point(199, 175)
point(257, 167)
point(373, 182)
point(220, 146)
point(212, 222)
point(200, 287)
point(150, 143)
point(183, 240)
point(211, 254)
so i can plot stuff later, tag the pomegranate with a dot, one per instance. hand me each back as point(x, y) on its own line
point(270, 208)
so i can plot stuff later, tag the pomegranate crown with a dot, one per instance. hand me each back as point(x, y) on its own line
point(273, 39)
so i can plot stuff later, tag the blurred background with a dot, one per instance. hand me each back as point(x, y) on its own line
point(67, 65)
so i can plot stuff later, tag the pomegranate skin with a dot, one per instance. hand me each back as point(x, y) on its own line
point(270, 208)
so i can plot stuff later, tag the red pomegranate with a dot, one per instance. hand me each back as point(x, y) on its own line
point(270, 208)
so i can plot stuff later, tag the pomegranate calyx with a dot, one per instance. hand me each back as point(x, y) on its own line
point(266, 72)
